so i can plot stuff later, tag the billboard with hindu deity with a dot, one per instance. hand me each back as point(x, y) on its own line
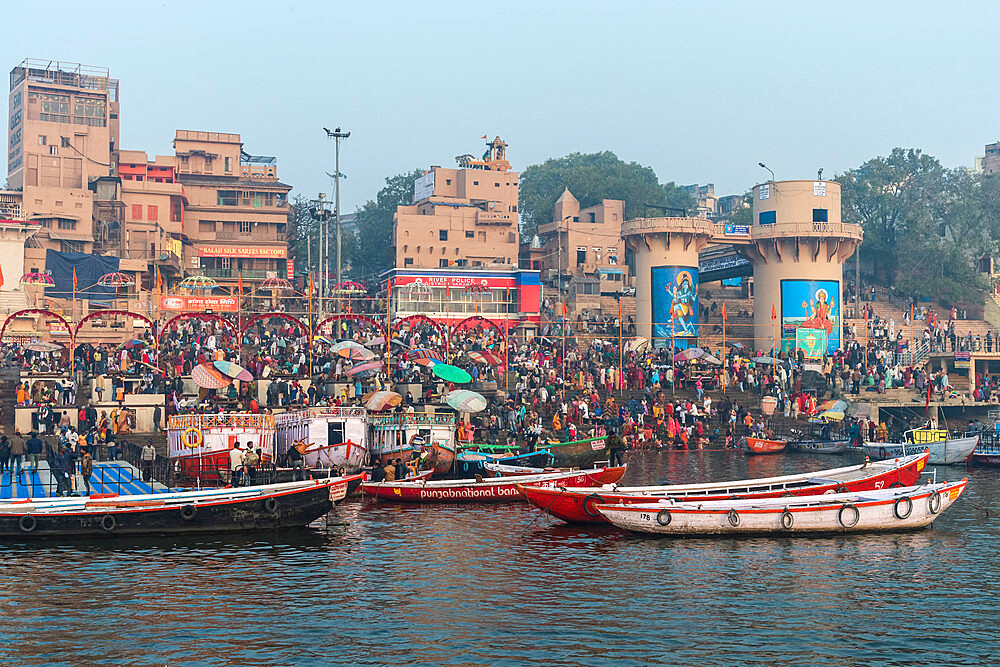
point(675, 305)
point(810, 314)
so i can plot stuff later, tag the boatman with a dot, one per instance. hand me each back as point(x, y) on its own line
point(616, 448)
point(235, 464)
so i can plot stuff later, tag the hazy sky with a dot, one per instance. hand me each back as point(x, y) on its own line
point(700, 91)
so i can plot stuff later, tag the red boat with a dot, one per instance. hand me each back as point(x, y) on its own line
point(577, 505)
point(491, 490)
point(764, 446)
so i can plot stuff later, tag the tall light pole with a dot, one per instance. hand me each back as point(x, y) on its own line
point(337, 136)
point(764, 166)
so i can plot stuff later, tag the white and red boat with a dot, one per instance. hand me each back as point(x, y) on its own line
point(764, 446)
point(492, 490)
point(199, 445)
point(883, 510)
point(578, 505)
point(335, 436)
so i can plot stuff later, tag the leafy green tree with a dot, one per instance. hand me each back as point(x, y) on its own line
point(374, 220)
point(592, 177)
point(305, 231)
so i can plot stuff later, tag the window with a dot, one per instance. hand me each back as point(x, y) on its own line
point(592, 217)
point(226, 262)
point(228, 198)
point(89, 111)
point(175, 211)
point(576, 218)
point(470, 235)
point(205, 226)
point(137, 211)
point(245, 227)
point(581, 255)
point(496, 185)
point(482, 237)
point(208, 163)
point(67, 224)
point(407, 261)
point(442, 235)
point(443, 263)
point(766, 217)
point(612, 260)
point(55, 108)
point(227, 164)
point(820, 215)
point(447, 181)
point(152, 213)
point(258, 198)
point(513, 209)
point(475, 182)
point(53, 150)
point(42, 140)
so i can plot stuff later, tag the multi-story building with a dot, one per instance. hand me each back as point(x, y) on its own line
point(704, 198)
point(585, 243)
point(727, 205)
point(464, 218)
point(989, 164)
point(236, 210)
point(63, 135)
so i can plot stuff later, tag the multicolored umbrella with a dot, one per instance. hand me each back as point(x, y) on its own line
point(233, 370)
point(116, 279)
point(367, 367)
point(486, 357)
point(464, 400)
point(421, 353)
point(135, 342)
point(207, 376)
point(354, 351)
point(450, 373)
point(689, 354)
point(42, 346)
point(43, 279)
point(326, 340)
point(199, 282)
point(276, 284)
point(377, 401)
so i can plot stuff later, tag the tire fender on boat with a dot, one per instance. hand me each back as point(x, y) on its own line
point(663, 517)
point(840, 515)
point(108, 522)
point(909, 508)
point(271, 505)
point(188, 512)
point(787, 519)
point(27, 523)
point(934, 502)
point(734, 518)
point(589, 502)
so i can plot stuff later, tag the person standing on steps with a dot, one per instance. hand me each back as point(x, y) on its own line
point(157, 416)
point(86, 469)
point(148, 456)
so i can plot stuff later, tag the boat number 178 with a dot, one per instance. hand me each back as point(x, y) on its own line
point(645, 517)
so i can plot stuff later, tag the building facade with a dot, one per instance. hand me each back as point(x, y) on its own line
point(461, 218)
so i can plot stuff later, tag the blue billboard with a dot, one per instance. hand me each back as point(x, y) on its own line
point(811, 305)
point(675, 305)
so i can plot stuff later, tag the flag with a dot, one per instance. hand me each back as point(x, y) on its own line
point(565, 309)
point(1, 276)
point(774, 313)
point(723, 312)
point(483, 137)
point(159, 279)
point(310, 286)
point(239, 281)
point(74, 278)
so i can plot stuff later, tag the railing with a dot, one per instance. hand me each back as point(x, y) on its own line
point(248, 274)
point(245, 420)
point(335, 412)
point(408, 419)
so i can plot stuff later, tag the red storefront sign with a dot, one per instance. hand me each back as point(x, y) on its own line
point(291, 268)
point(198, 304)
point(241, 251)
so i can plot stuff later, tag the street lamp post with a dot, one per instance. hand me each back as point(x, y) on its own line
point(337, 135)
point(764, 166)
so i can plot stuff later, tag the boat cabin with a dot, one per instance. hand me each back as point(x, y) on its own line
point(400, 435)
point(335, 436)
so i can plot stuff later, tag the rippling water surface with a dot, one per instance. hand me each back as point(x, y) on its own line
point(461, 584)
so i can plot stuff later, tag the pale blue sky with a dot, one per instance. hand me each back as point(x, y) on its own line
point(700, 91)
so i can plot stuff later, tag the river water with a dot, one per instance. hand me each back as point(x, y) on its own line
point(468, 584)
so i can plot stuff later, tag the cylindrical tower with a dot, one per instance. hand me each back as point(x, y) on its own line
point(666, 270)
point(798, 247)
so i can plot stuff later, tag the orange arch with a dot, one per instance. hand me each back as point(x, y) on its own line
point(348, 316)
point(99, 313)
point(36, 311)
point(266, 316)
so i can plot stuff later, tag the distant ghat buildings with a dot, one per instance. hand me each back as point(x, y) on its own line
point(208, 209)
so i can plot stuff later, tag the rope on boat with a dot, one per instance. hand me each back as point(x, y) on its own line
point(544, 511)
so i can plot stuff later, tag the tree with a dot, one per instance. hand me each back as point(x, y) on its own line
point(592, 177)
point(374, 220)
point(306, 230)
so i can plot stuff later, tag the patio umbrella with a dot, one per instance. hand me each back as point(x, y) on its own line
point(689, 354)
point(835, 405)
point(208, 376)
point(233, 370)
point(353, 351)
point(277, 284)
point(464, 400)
point(450, 373)
point(366, 367)
point(135, 342)
point(428, 362)
point(326, 340)
point(765, 360)
point(831, 415)
point(378, 401)
point(710, 359)
point(34, 278)
point(421, 352)
point(42, 346)
point(486, 357)
point(378, 340)
point(637, 345)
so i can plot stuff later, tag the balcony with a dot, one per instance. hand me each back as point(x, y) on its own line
point(248, 274)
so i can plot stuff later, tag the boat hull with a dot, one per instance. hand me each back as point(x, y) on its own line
point(821, 446)
point(763, 446)
point(578, 453)
point(578, 506)
point(955, 451)
point(497, 489)
point(909, 508)
point(149, 515)
point(991, 459)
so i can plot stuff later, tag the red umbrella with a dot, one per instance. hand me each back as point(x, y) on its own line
point(115, 279)
point(279, 284)
point(42, 279)
point(486, 357)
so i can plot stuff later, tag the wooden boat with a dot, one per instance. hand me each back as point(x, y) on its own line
point(954, 451)
point(199, 445)
point(578, 453)
point(269, 506)
point(577, 505)
point(884, 510)
point(470, 464)
point(820, 446)
point(441, 457)
point(501, 470)
point(497, 489)
point(763, 445)
point(336, 436)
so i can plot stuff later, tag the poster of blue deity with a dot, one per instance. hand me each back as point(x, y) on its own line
point(675, 305)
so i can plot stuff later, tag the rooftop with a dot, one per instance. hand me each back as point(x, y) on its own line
point(60, 73)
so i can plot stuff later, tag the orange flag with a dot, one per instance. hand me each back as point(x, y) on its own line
point(565, 309)
point(310, 285)
point(723, 312)
point(74, 278)
point(774, 313)
point(239, 281)
point(1, 276)
point(159, 279)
